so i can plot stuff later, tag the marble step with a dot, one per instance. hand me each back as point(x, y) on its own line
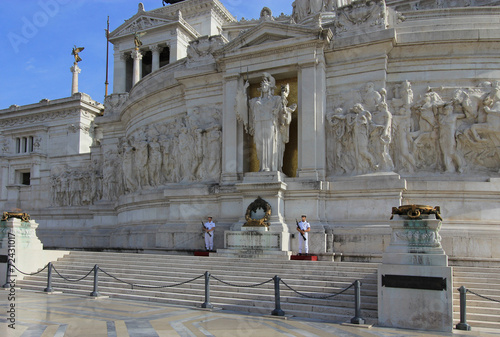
point(312, 281)
point(175, 276)
point(251, 304)
point(166, 270)
point(345, 299)
point(328, 268)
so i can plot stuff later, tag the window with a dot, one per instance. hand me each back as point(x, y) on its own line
point(25, 178)
point(24, 144)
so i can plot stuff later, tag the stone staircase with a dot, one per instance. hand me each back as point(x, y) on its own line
point(317, 279)
point(484, 281)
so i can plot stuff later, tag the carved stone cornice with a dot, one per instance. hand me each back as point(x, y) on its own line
point(39, 117)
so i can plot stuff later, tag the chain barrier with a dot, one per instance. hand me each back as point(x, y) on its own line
point(482, 296)
point(148, 286)
point(241, 285)
point(318, 298)
point(277, 280)
point(28, 274)
point(69, 280)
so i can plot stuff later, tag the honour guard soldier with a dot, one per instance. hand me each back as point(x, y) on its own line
point(209, 228)
point(303, 227)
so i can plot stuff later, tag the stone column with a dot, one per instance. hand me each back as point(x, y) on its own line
point(312, 105)
point(156, 50)
point(120, 72)
point(136, 76)
point(232, 147)
point(74, 86)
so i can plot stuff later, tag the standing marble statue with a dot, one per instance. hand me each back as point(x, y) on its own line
point(267, 118)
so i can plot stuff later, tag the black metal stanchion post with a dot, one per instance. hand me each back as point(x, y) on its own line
point(463, 310)
point(357, 304)
point(49, 279)
point(207, 303)
point(8, 275)
point(95, 293)
point(277, 310)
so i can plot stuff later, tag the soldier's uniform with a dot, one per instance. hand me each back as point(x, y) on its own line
point(209, 237)
point(304, 225)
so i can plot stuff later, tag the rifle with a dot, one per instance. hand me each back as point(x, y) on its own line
point(206, 228)
point(303, 236)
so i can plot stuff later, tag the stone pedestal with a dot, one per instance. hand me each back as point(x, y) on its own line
point(20, 244)
point(271, 241)
point(414, 280)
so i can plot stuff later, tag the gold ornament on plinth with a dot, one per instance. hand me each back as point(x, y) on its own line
point(19, 215)
point(414, 212)
point(252, 208)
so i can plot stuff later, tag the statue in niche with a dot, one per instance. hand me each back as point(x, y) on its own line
point(452, 160)
point(284, 120)
point(265, 118)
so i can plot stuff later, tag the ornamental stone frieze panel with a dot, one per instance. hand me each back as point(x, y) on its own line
point(446, 129)
point(114, 103)
point(199, 52)
point(29, 120)
point(361, 15)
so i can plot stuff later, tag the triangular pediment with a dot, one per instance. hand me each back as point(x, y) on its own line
point(141, 22)
point(270, 33)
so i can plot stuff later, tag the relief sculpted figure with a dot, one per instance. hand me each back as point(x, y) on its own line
point(128, 154)
point(155, 160)
point(262, 118)
point(360, 120)
point(452, 160)
point(339, 157)
point(187, 153)
point(403, 142)
point(426, 141)
point(141, 159)
point(382, 136)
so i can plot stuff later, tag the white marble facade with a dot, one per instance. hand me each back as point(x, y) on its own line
point(393, 105)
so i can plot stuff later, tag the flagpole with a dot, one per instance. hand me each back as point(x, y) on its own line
point(107, 56)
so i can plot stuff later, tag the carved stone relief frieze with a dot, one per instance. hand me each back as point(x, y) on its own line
point(183, 150)
point(447, 130)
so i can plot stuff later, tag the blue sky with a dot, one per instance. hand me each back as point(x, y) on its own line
point(37, 37)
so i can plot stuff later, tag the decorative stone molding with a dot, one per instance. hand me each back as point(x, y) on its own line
point(199, 52)
point(361, 15)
